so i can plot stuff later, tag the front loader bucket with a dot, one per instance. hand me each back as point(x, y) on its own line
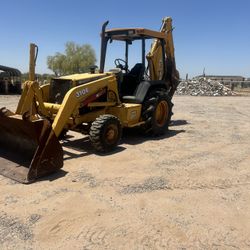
point(28, 149)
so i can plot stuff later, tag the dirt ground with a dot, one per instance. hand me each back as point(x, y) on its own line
point(187, 190)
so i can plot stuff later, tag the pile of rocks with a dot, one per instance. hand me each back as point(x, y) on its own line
point(203, 87)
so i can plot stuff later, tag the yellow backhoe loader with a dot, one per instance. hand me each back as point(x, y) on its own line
point(98, 104)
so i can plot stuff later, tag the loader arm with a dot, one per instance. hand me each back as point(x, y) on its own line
point(31, 100)
point(76, 98)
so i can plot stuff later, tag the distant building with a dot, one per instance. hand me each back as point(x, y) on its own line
point(224, 78)
point(228, 80)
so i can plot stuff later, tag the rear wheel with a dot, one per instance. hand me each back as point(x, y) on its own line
point(105, 133)
point(157, 112)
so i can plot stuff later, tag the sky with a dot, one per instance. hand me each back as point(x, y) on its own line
point(213, 34)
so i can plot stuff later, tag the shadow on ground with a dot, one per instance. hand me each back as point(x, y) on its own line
point(52, 177)
point(133, 137)
point(136, 136)
point(178, 123)
point(75, 148)
point(82, 147)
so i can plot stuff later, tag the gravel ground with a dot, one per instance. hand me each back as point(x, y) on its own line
point(189, 189)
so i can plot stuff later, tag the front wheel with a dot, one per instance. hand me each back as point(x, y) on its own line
point(157, 112)
point(105, 133)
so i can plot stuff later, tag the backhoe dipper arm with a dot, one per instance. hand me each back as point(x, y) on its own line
point(158, 69)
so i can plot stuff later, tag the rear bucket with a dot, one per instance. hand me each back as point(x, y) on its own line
point(28, 149)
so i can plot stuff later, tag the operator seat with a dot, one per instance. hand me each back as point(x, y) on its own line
point(137, 72)
point(132, 79)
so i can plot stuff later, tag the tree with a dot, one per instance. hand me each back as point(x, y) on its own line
point(76, 59)
point(56, 63)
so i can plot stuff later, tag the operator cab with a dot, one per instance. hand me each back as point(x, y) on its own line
point(131, 79)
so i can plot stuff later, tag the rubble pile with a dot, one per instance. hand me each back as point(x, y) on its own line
point(203, 87)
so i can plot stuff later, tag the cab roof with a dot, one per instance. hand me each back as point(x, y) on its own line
point(133, 34)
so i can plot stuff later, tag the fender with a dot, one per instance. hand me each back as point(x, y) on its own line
point(142, 90)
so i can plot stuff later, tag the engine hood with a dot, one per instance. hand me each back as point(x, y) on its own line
point(82, 77)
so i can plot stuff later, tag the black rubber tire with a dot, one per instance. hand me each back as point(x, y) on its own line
point(101, 128)
point(149, 112)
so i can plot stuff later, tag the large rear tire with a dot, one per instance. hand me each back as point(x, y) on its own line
point(157, 112)
point(105, 133)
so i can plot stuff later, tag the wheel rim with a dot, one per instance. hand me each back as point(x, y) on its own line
point(161, 113)
point(111, 134)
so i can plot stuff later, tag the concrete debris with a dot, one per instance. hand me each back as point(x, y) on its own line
point(203, 87)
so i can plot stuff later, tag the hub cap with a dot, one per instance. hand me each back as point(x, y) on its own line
point(111, 134)
point(161, 113)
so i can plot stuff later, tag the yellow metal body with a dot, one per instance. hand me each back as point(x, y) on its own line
point(34, 100)
point(66, 115)
point(73, 102)
point(154, 57)
point(29, 148)
point(32, 64)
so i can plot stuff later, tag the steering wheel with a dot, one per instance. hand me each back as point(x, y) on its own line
point(121, 64)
